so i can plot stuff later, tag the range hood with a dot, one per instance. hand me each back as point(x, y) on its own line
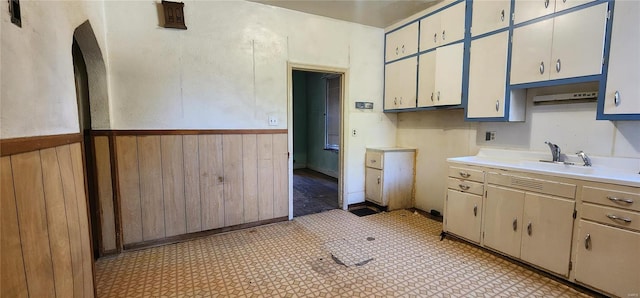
point(574, 97)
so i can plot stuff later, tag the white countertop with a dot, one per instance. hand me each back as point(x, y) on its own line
point(390, 149)
point(614, 170)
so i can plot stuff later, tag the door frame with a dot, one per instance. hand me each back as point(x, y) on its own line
point(342, 177)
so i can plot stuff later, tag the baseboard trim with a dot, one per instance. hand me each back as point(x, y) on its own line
point(191, 236)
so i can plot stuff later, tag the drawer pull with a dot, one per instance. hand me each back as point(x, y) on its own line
point(378, 180)
point(529, 229)
point(373, 161)
point(515, 224)
point(475, 210)
point(615, 217)
point(614, 199)
point(465, 175)
point(464, 186)
point(587, 241)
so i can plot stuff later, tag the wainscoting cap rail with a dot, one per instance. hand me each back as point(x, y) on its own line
point(184, 132)
point(28, 144)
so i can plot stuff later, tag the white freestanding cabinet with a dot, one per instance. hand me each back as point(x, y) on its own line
point(489, 16)
point(400, 84)
point(622, 93)
point(570, 45)
point(389, 177)
point(441, 84)
point(401, 43)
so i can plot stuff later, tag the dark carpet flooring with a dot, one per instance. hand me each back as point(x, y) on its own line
point(313, 192)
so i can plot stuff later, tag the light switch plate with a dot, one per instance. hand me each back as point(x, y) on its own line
point(364, 105)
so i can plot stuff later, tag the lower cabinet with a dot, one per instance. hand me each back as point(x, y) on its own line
point(466, 210)
point(607, 258)
point(503, 220)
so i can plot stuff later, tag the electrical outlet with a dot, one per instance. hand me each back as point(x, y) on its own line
point(490, 136)
point(273, 121)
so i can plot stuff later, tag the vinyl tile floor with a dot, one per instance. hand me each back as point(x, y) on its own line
point(329, 254)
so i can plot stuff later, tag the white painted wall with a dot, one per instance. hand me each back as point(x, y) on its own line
point(229, 70)
point(37, 82)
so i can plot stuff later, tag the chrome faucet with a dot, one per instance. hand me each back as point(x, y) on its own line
point(555, 151)
point(585, 158)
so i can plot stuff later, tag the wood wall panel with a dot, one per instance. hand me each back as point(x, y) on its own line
point(151, 193)
point(32, 218)
point(192, 183)
point(265, 176)
point(211, 181)
point(129, 184)
point(57, 223)
point(73, 221)
point(14, 281)
point(105, 193)
point(250, 177)
point(233, 175)
point(83, 218)
point(280, 176)
point(46, 246)
point(173, 178)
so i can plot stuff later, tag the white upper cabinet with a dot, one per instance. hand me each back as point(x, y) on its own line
point(623, 91)
point(400, 84)
point(489, 16)
point(443, 27)
point(440, 76)
point(570, 45)
point(402, 43)
point(487, 76)
point(526, 10)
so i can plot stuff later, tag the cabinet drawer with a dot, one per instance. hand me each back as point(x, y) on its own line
point(611, 216)
point(466, 186)
point(535, 185)
point(611, 197)
point(374, 159)
point(467, 174)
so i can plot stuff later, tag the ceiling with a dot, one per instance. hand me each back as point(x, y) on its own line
point(376, 13)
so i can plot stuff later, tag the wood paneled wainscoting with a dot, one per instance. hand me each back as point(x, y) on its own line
point(46, 247)
point(172, 185)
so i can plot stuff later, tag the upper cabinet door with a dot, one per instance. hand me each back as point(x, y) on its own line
point(449, 74)
point(487, 76)
point(400, 84)
point(623, 92)
point(402, 43)
point(427, 79)
point(489, 16)
point(578, 43)
point(452, 23)
point(566, 4)
point(531, 52)
point(429, 32)
point(525, 10)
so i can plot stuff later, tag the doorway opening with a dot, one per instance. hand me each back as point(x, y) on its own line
point(317, 142)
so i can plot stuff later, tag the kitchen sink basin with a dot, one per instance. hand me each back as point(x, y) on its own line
point(556, 167)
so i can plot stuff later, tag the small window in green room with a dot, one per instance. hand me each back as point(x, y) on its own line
point(332, 111)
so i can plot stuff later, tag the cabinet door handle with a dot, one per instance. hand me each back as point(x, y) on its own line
point(475, 210)
point(617, 200)
point(396, 51)
point(497, 105)
point(464, 186)
point(402, 48)
point(435, 37)
point(378, 180)
point(515, 224)
point(587, 241)
point(438, 95)
point(400, 100)
point(542, 67)
point(529, 229)
point(431, 96)
point(395, 101)
point(502, 16)
point(546, 3)
point(465, 174)
point(443, 35)
point(558, 65)
point(616, 98)
point(615, 217)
